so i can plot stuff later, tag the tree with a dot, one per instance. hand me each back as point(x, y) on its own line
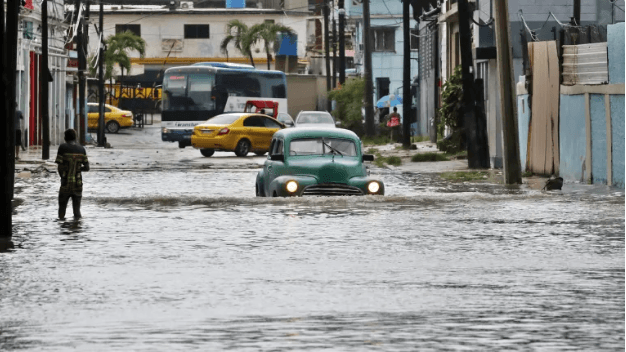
point(269, 32)
point(243, 38)
point(349, 100)
point(117, 48)
point(119, 45)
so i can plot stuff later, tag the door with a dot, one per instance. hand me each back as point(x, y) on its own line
point(271, 127)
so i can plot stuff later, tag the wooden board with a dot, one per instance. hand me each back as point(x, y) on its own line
point(543, 144)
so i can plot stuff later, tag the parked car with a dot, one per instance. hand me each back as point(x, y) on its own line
point(237, 132)
point(315, 118)
point(316, 161)
point(114, 118)
point(286, 119)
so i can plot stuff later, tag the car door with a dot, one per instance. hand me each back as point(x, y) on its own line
point(274, 167)
point(271, 126)
point(253, 126)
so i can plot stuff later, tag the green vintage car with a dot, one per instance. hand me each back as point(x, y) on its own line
point(316, 161)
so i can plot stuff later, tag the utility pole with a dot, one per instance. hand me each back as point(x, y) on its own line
point(101, 138)
point(512, 168)
point(8, 57)
point(334, 50)
point(44, 74)
point(367, 71)
point(342, 43)
point(474, 147)
point(577, 12)
point(82, 68)
point(406, 77)
point(327, 53)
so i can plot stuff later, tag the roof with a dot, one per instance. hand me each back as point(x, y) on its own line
point(316, 132)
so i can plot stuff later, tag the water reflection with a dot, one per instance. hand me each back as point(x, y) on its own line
point(177, 260)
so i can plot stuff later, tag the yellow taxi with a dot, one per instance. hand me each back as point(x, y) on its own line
point(237, 132)
point(114, 118)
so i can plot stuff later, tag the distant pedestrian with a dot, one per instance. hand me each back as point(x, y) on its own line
point(393, 122)
point(72, 160)
point(18, 133)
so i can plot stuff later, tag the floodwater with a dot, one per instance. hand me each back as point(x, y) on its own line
point(188, 259)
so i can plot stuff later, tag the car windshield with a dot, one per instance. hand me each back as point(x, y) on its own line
point(225, 119)
point(315, 117)
point(321, 146)
point(284, 118)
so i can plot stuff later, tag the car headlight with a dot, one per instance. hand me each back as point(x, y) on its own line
point(291, 186)
point(165, 130)
point(373, 187)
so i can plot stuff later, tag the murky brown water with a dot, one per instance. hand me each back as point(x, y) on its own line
point(191, 260)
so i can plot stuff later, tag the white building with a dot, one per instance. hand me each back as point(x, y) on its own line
point(29, 72)
point(186, 35)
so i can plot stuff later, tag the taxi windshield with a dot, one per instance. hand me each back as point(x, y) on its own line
point(321, 146)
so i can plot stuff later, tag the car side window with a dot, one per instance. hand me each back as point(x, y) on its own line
point(279, 147)
point(253, 121)
point(270, 123)
point(92, 108)
point(107, 109)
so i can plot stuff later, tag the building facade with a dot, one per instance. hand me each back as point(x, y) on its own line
point(30, 70)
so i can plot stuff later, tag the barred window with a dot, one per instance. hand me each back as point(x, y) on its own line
point(383, 39)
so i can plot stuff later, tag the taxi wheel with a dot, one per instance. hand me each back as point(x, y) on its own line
point(243, 148)
point(260, 153)
point(207, 152)
point(113, 127)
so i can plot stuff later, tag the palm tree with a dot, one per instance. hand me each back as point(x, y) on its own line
point(117, 48)
point(243, 38)
point(119, 45)
point(269, 32)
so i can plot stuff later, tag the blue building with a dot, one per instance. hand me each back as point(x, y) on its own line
point(387, 38)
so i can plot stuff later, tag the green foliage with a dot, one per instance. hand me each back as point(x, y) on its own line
point(464, 175)
point(118, 46)
point(269, 33)
point(450, 113)
point(429, 157)
point(376, 140)
point(380, 161)
point(243, 38)
point(349, 99)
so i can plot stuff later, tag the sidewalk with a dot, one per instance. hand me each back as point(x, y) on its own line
point(395, 149)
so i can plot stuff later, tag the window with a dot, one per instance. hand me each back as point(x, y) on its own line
point(414, 39)
point(277, 147)
point(135, 28)
point(196, 31)
point(383, 39)
point(254, 121)
point(271, 123)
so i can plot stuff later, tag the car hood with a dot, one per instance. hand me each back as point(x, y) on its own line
point(325, 169)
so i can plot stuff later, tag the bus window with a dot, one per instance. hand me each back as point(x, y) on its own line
point(199, 92)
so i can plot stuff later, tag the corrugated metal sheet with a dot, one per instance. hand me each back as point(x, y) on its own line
point(585, 64)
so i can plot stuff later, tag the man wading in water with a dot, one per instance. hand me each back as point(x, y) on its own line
point(72, 160)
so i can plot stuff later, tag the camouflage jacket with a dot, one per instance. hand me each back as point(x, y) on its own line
point(72, 160)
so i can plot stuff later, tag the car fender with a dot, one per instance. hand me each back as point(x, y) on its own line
point(278, 184)
point(362, 182)
point(260, 181)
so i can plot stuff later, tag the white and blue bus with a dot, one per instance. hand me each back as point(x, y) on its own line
point(193, 94)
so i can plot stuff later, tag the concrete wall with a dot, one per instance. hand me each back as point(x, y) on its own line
point(300, 89)
point(158, 26)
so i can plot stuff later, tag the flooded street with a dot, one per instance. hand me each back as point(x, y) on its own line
point(176, 253)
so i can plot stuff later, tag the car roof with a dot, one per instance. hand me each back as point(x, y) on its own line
point(315, 132)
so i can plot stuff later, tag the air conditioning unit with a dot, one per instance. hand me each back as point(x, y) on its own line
point(186, 5)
